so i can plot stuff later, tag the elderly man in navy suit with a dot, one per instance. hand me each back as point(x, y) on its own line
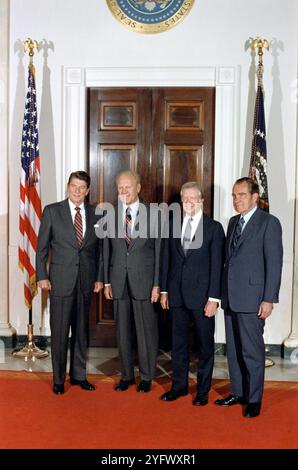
point(191, 269)
point(251, 282)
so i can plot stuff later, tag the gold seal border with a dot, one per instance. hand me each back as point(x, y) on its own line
point(150, 28)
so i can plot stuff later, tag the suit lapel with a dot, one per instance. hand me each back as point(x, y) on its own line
point(248, 231)
point(89, 226)
point(231, 232)
point(178, 241)
point(136, 240)
point(67, 220)
point(203, 221)
point(119, 225)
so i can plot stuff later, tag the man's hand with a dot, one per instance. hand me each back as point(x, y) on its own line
point(155, 294)
point(98, 286)
point(108, 292)
point(265, 310)
point(210, 308)
point(44, 284)
point(164, 301)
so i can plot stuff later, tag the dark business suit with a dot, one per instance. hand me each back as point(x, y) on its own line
point(132, 272)
point(72, 273)
point(252, 274)
point(190, 280)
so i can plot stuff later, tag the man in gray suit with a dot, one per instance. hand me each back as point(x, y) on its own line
point(131, 277)
point(67, 234)
point(251, 282)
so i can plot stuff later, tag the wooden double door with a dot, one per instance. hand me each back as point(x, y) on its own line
point(167, 136)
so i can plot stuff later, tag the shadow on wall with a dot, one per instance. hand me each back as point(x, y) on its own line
point(47, 148)
point(46, 131)
point(278, 192)
point(15, 142)
point(276, 153)
point(251, 98)
point(276, 172)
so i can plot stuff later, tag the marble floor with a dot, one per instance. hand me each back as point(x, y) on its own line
point(105, 361)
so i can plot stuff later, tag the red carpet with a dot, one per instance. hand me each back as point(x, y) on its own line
point(32, 417)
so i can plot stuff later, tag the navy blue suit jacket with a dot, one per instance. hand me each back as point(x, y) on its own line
point(192, 278)
point(252, 274)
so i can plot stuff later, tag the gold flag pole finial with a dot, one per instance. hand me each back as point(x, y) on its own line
point(260, 44)
point(29, 46)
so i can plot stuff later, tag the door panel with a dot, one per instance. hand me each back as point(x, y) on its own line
point(166, 135)
point(181, 163)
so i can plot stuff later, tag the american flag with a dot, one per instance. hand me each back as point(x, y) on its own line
point(30, 203)
point(258, 161)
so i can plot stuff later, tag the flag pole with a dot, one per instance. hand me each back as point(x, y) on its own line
point(30, 350)
point(260, 44)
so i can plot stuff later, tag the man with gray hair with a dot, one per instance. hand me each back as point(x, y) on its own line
point(191, 267)
point(131, 277)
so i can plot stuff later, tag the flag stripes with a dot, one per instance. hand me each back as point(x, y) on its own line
point(30, 203)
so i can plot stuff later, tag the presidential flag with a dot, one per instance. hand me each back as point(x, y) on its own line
point(258, 161)
point(30, 203)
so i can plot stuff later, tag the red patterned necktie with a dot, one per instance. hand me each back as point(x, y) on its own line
point(78, 225)
point(127, 224)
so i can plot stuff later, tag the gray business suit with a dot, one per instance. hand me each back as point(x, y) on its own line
point(252, 274)
point(73, 271)
point(132, 272)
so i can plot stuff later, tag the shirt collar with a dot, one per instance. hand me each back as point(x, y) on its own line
point(134, 207)
point(249, 214)
point(196, 217)
point(73, 206)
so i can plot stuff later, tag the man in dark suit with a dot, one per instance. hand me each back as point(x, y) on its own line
point(191, 268)
point(251, 282)
point(67, 234)
point(131, 277)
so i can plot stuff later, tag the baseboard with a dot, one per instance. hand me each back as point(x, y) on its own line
point(17, 341)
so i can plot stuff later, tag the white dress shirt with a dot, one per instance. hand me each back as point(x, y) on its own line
point(194, 225)
point(134, 207)
point(247, 216)
point(195, 220)
point(73, 212)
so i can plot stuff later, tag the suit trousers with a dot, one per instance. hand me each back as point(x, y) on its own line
point(246, 354)
point(67, 313)
point(130, 313)
point(204, 326)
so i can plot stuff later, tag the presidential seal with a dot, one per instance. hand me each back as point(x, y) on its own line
point(150, 16)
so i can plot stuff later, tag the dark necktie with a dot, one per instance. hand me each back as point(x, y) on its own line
point(187, 236)
point(78, 225)
point(237, 234)
point(127, 226)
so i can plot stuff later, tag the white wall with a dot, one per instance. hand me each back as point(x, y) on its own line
point(82, 34)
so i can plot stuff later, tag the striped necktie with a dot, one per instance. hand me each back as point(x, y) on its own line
point(78, 225)
point(237, 234)
point(127, 226)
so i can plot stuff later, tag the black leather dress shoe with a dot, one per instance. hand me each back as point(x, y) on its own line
point(84, 384)
point(58, 389)
point(144, 386)
point(201, 399)
point(252, 410)
point(172, 394)
point(123, 385)
point(229, 401)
